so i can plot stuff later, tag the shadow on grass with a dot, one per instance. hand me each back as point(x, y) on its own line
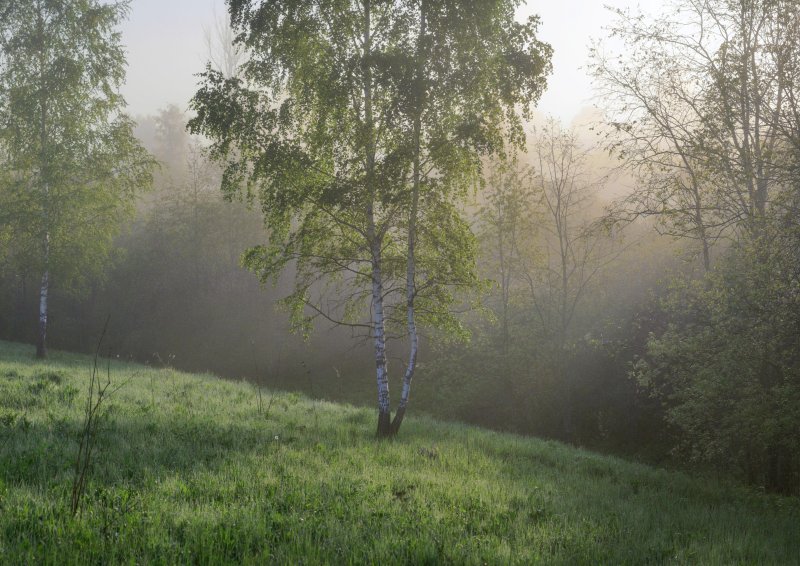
point(195, 458)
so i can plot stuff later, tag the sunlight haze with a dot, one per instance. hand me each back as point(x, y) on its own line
point(166, 48)
point(423, 282)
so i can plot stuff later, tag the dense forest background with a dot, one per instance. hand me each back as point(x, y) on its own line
point(636, 300)
point(178, 296)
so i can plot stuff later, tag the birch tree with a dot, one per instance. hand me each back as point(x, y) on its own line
point(71, 165)
point(457, 113)
point(342, 129)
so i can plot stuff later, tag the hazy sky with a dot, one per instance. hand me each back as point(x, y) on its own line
point(166, 47)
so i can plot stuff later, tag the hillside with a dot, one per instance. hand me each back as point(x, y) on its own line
point(194, 469)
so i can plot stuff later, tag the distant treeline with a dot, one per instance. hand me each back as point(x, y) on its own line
point(177, 296)
point(638, 282)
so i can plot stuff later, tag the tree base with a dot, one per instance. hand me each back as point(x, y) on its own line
point(398, 420)
point(384, 425)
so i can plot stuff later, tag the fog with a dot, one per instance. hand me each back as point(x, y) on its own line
point(180, 28)
point(610, 283)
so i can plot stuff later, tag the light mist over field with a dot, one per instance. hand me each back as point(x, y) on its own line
point(399, 281)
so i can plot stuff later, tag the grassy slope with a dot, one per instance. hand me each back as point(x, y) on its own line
point(189, 470)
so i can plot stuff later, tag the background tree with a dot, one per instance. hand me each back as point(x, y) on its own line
point(550, 362)
point(728, 365)
point(509, 222)
point(71, 163)
point(225, 55)
point(697, 105)
point(708, 108)
point(573, 248)
point(341, 107)
point(508, 228)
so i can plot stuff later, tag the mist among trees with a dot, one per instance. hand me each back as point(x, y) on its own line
point(362, 203)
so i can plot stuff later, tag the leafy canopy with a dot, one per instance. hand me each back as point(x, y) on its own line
point(319, 130)
point(69, 163)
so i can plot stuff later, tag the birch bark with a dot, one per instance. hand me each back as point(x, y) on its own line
point(411, 267)
point(375, 240)
point(44, 288)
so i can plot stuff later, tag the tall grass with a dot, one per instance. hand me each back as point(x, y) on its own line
point(189, 469)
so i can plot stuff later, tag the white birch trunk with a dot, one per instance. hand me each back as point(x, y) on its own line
point(379, 337)
point(411, 291)
point(413, 337)
point(410, 300)
point(44, 289)
point(378, 319)
point(411, 267)
point(44, 293)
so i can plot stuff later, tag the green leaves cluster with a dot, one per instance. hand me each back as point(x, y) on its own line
point(704, 111)
point(69, 163)
point(728, 365)
point(323, 126)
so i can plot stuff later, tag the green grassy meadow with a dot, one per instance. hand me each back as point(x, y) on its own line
point(192, 469)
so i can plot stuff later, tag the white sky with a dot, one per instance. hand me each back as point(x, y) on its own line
point(166, 47)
